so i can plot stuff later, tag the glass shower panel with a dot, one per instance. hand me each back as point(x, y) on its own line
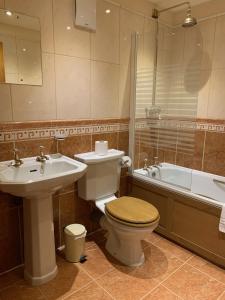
point(168, 64)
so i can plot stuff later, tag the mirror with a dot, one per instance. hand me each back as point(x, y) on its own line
point(20, 49)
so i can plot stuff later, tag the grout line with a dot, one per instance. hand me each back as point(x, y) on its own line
point(220, 297)
point(161, 282)
point(11, 101)
point(42, 294)
point(203, 154)
point(105, 290)
point(186, 263)
point(176, 245)
point(76, 291)
point(172, 292)
point(54, 54)
point(210, 276)
point(95, 279)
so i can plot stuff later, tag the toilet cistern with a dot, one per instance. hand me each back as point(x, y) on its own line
point(127, 220)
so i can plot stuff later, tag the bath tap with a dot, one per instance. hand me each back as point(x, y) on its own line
point(157, 164)
point(146, 167)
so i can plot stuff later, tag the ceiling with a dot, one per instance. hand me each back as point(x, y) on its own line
point(167, 3)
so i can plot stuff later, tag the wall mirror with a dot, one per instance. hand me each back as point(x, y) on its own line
point(20, 49)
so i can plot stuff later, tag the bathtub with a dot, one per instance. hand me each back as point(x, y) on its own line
point(189, 203)
point(200, 185)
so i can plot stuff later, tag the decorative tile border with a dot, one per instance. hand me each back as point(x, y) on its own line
point(207, 125)
point(60, 132)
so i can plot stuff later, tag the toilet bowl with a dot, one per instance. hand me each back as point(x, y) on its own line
point(127, 220)
point(124, 238)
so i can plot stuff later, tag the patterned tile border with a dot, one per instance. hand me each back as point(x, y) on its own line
point(60, 132)
point(181, 124)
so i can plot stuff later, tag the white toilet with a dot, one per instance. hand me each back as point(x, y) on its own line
point(127, 220)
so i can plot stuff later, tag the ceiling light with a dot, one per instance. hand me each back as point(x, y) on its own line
point(24, 49)
point(68, 27)
point(108, 11)
point(8, 13)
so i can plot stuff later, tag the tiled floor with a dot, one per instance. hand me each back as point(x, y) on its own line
point(170, 272)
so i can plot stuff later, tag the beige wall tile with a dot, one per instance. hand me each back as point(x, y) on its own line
point(149, 45)
point(216, 107)
point(129, 23)
point(124, 91)
point(203, 94)
point(105, 42)
point(219, 57)
point(104, 90)
point(73, 42)
point(177, 50)
point(72, 87)
point(5, 103)
point(140, 6)
point(36, 102)
point(199, 44)
point(41, 9)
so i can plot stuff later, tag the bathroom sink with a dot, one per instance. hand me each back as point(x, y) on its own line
point(33, 178)
point(36, 182)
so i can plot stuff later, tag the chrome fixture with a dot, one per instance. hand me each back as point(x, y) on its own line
point(153, 112)
point(145, 168)
point(17, 161)
point(42, 157)
point(157, 165)
point(189, 21)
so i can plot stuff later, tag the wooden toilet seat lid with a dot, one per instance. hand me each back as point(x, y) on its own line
point(132, 211)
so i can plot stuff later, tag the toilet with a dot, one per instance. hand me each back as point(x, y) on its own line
point(127, 220)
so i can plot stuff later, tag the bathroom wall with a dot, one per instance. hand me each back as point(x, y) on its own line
point(198, 56)
point(85, 94)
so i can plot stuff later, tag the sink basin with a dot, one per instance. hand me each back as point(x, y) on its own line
point(36, 182)
point(33, 178)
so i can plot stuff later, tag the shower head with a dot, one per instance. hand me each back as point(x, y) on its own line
point(189, 21)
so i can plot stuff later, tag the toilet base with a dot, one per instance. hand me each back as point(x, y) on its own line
point(124, 243)
point(134, 259)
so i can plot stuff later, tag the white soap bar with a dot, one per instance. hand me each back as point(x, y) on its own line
point(101, 147)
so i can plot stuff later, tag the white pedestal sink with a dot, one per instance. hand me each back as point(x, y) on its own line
point(36, 182)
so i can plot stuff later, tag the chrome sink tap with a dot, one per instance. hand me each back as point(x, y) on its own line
point(17, 161)
point(42, 157)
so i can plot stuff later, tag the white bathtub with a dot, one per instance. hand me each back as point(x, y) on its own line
point(203, 186)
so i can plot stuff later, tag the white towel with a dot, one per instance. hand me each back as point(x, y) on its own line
point(222, 220)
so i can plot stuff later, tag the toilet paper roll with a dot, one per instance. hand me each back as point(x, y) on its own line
point(126, 162)
point(101, 147)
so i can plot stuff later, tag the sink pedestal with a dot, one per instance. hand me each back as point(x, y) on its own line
point(39, 243)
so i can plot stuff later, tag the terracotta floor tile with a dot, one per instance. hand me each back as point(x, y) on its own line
point(10, 278)
point(94, 239)
point(97, 262)
point(189, 283)
point(124, 286)
point(21, 291)
point(159, 264)
point(161, 293)
point(69, 279)
point(222, 297)
point(153, 238)
point(91, 292)
point(178, 251)
point(208, 268)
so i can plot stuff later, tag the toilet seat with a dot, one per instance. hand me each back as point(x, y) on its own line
point(132, 212)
